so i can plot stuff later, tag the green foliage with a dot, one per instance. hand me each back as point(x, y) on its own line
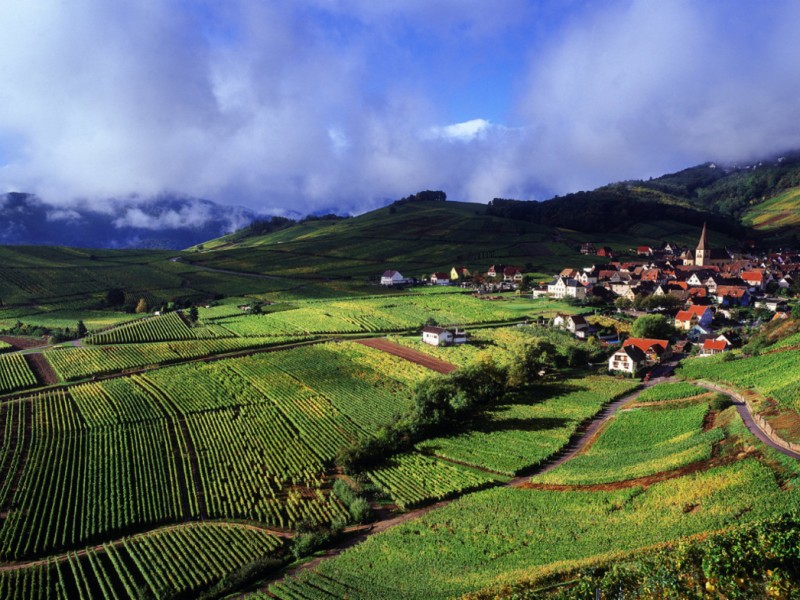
point(774, 374)
point(457, 549)
point(15, 374)
point(640, 442)
point(758, 560)
point(670, 391)
point(652, 326)
point(530, 425)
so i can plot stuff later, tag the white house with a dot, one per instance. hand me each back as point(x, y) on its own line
point(575, 324)
point(563, 287)
point(628, 359)
point(440, 279)
point(393, 278)
point(440, 336)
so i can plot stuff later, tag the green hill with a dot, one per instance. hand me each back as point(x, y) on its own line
point(418, 238)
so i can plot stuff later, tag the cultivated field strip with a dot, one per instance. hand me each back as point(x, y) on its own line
point(168, 327)
point(15, 373)
point(72, 363)
point(164, 563)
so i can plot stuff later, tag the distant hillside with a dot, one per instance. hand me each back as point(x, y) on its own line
point(764, 195)
point(166, 222)
point(419, 237)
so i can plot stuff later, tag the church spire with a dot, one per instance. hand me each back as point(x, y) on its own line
point(703, 245)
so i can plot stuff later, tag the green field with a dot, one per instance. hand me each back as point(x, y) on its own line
point(640, 442)
point(531, 427)
point(772, 375)
point(180, 560)
point(775, 213)
point(504, 535)
point(670, 391)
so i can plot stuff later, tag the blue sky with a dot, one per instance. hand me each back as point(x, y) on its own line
point(311, 105)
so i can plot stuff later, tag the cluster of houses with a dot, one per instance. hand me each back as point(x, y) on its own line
point(706, 276)
point(704, 282)
point(501, 276)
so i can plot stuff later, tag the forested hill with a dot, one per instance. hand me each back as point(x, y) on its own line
point(764, 194)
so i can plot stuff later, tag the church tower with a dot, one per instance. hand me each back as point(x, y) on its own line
point(702, 255)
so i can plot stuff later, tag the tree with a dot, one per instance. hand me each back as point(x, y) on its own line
point(527, 282)
point(193, 314)
point(796, 311)
point(652, 326)
point(81, 329)
point(142, 307)
point(115, 297)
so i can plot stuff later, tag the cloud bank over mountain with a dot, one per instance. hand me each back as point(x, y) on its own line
point(311, 105)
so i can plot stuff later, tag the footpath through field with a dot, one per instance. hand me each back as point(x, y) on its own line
point(582, 438)
point(415, 356)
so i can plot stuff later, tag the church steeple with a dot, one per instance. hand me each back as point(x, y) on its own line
point(703, 245)
point(703, 252)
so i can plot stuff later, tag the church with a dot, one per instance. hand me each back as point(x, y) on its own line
point(705, 256)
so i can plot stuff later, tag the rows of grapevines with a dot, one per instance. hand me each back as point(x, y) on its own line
point(772, 374)
point(309, 412)
point(247, 459)
point(204, 386)
point(165, 563)
point(168, 327)
point(72, 363)
point(15, 374)
point(413, 479)
point(5, 346)
point(374, 315)
point(114, 402)
point(79, 483)
point(368, 397)
point(13, 430)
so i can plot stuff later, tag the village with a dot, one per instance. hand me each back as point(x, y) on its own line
point(707, 297)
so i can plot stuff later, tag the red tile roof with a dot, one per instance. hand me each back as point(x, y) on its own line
point(717, 345)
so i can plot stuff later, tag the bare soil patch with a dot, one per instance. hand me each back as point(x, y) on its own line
point(23, 343)
point(44, 372)
point(420, 358)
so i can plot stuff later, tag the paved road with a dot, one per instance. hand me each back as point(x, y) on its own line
point(744, 411)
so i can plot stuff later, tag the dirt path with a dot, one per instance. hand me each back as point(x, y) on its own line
point(409, 354)
point(41, 368)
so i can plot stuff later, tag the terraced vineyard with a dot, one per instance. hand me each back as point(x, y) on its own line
point(640, 442)
point(165, 563)
point(71, 363)
point(394, 313)
point(533, 534)
point(528, 429)
point(773, 374)
point(414, 479)
point(246, 438)
point(168, 327)
point(15, 374)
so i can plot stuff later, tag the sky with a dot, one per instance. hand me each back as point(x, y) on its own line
point(340, 105)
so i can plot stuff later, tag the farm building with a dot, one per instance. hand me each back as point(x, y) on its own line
point(711, 347)
point(654, 350)
point(575, 324)
point(393, 278)
point(441, 336)
point(628, 359)
point(562, 287)
point(440, 279)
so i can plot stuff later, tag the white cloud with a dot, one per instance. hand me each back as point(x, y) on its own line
point(312, 105)
point(639, 88)
point(461, 132)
